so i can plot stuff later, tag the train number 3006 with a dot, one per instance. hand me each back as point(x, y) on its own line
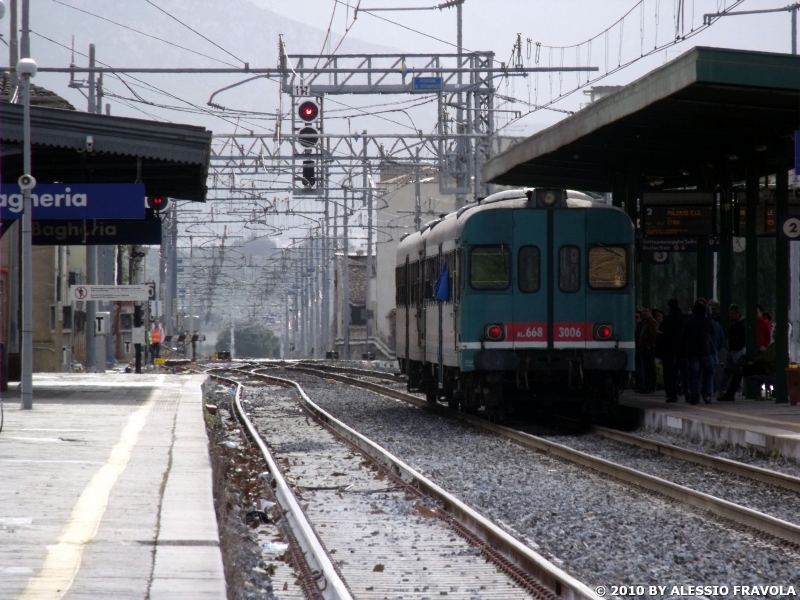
point(570, 332)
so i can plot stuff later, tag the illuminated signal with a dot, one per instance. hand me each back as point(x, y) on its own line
point(157, 203)
point(308, 111)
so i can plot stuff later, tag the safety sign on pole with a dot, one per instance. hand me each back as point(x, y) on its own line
point(108, 293)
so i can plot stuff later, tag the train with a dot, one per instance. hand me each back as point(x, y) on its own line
point(524, 298)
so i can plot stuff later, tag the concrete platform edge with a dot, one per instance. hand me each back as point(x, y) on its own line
point(187, 548)
point(762, 439)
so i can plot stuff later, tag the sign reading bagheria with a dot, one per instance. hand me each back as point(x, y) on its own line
point(75, 201)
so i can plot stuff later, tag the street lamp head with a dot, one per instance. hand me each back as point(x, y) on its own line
point(26, 66)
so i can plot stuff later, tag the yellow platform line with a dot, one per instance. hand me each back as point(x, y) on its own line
point(64, 557)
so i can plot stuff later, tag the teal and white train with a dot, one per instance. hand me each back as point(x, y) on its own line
point(526, 296)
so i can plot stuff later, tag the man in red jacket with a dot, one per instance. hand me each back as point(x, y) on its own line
point(763, 330)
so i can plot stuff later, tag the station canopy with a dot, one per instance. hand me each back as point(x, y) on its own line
point(76, 147)
point(692, 122)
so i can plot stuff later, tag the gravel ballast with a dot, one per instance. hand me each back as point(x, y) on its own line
point(601, 531)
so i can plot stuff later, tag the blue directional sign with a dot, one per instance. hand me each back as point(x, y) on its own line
point(75, 201)
point(427, 84)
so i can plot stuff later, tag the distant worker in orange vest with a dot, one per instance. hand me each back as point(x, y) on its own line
point(156, 337)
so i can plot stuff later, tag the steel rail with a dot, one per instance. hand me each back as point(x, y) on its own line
point(330, 585)
point(716, 462)
point(722, 508)
point(548, 575)
point(363, 372)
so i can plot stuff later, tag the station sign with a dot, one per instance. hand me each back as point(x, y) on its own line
point(96, 232)
point(64, 201)
point(426, 84)
point(678, 214)
point(108, 293)
point(766, 214)
point(665, 245)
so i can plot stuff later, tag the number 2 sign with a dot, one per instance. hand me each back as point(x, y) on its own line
point(789, 229)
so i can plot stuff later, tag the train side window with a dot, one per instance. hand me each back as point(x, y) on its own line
point(569, 269)
point(529, 269)
point(489, 268)
point(608, 267)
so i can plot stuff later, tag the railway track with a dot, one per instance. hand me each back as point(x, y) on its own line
point(378, 528)
point(742, 515)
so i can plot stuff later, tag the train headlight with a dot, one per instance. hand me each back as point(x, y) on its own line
point(494, 332)
point(603, 332)
point(550, 198)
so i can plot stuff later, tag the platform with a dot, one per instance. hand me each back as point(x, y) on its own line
point(107, 490)
point(760, 424)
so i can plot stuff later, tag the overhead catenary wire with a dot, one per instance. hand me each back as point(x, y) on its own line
point(129, 28)
point(212, 42)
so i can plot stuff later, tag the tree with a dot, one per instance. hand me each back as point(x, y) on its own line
point(252, 341)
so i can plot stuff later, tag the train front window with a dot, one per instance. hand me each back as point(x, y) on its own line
point(569, 269)
point(529, 269)
point(608, 267)
point(489, 268)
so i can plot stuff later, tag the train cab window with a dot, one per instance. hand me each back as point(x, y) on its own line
point(489, 268)
point(608, 267)
point(529, 269)
point(569, 269)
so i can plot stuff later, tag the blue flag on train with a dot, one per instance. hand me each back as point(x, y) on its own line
point(442, 288)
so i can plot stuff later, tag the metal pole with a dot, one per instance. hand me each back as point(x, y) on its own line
point(794, 30)
point(326, 240)
point(13, 43)
point(191, 288)
point(27, 252)
point(417, 196)
point(794, 255)
point(461, 179)
point(92, 82)
point(345, 282)
point(368, 288)
point(174, 270)
point(91, 255)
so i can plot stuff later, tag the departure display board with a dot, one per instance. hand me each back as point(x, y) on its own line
point(678, 214)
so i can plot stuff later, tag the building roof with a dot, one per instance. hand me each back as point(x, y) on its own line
point(171, 160)
point(695, 119)
point(39, 95)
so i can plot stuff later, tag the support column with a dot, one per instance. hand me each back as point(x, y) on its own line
point(781, 333)
point(751, 264)
point(725, 256)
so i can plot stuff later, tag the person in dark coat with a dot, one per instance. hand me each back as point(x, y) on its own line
point(764, 364)
point(669, 345)
point(647, 350)
point(696, 347)
point(735, 344)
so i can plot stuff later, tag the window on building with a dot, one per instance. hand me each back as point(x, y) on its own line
point(357, 316)
point(529, 269)
point(489, 268)
point(569, 269)
point(608, 267)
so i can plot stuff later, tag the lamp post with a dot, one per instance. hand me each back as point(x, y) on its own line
point(26, 68)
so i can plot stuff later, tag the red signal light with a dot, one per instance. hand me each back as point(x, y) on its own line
point(494, 333)
point(603, 332)
point(308, 111)
point(157, 203)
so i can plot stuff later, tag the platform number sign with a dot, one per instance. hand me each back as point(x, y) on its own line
point(789, 229)
point(660, 258)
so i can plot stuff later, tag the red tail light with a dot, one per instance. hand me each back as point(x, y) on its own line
point(603, 332)
point(494, 333)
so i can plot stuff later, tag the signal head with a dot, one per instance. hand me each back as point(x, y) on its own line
point(157, 203)
point(308, 137)
point(308, 111)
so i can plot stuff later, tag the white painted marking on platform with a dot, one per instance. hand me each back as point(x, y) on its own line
point(64, 558)
point(674, 423)
point(57, 462)
point(755, 439)
point(16, 520)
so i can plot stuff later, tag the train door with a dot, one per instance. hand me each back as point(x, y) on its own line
point(529, 255)
point(569, 329)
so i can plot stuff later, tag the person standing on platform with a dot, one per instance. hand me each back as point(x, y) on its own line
point(763, 330)
point(638, 353)
point(735, 344)
point(647, 350)
point(696, 346)
point(716, 312)
point(156, 337)
point(669, 343)
point(717, 344)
